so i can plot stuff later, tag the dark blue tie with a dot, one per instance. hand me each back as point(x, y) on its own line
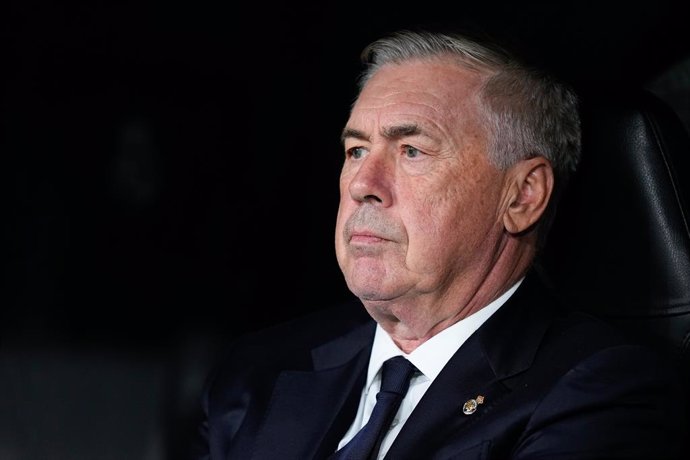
point(395, 380)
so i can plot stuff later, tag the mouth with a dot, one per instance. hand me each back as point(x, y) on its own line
point(366, 237)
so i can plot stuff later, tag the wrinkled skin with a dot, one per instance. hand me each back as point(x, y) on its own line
point(421, 233)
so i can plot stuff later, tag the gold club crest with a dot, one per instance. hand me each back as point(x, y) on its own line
point(471, 405)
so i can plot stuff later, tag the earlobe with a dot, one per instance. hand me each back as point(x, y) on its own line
point(531, 184)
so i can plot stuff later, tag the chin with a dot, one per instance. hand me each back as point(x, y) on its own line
point(363, 292)
point(370, 279)
point(371, 291)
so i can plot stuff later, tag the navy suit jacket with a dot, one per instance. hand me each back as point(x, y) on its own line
point(556, 385)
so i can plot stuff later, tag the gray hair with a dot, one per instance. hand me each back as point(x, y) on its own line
point(528, 112)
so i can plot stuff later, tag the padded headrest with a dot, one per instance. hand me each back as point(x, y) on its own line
point(620, 244)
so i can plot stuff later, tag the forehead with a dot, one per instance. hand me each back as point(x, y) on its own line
point(425, 91)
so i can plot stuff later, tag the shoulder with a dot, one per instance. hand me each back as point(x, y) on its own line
point(585, 348)
point(257, 355)
point(599, 390)
point(617, 398)
point(238, 389)
point(301, 333)
point(537, 319)
point(536, 341)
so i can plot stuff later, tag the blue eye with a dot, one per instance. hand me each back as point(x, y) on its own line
point(411, 152)
point(356, 152)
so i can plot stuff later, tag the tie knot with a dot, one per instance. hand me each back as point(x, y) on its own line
point(395, 375)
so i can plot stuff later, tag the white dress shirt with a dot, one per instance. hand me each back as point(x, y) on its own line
point(429, 358)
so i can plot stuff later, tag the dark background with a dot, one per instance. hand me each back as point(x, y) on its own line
point(171, 172)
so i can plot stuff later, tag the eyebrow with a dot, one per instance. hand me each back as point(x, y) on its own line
point(396, 132)
point(391, 132)
point(353, 133)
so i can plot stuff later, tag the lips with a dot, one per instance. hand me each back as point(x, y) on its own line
point(366, 237)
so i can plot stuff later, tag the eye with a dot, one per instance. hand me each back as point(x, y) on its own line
point(411, 152)
point(356, 152)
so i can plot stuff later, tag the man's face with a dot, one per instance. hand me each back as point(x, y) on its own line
point(420, 203)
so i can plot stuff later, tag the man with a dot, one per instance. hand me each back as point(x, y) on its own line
point(453, 151)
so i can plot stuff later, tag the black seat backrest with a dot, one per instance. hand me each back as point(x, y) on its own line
point(620, 244)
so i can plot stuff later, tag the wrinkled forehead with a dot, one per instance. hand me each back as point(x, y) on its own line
point(428, 89)
point(440, 73)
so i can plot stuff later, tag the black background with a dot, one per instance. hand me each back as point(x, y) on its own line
point(171, 168)
point(174, 165)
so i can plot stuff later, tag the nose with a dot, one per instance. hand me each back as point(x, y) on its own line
point(372, 181)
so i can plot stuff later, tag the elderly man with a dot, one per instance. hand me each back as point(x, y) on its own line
point(453, 153)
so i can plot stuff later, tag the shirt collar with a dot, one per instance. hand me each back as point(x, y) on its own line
point(431, 356)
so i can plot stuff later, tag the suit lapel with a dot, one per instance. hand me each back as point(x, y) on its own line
point(484, 365)
point(466, 375)
point(302, 419)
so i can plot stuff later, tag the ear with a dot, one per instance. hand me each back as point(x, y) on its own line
point(529, 189)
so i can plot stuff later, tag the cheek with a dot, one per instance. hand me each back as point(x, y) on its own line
point(431, 219)
point(442, 203)
point(345, 210)
point(344, 202)
point(450, 219)
point(340, 220)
